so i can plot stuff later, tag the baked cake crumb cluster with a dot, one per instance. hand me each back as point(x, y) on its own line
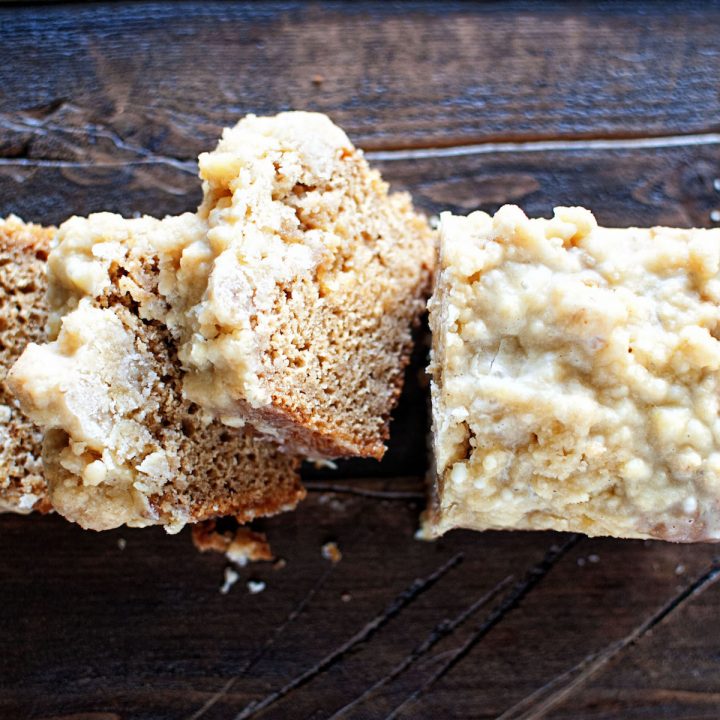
point(576, 380)
point(193, 359)
point(240, 545)
point(122, 444)
point(23, 314)
point(295, 314)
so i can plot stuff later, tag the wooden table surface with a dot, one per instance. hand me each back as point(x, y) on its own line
point(611, 105)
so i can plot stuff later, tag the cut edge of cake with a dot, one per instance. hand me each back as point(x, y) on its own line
point(23, 314)
point(122, 444)
point(296, 315)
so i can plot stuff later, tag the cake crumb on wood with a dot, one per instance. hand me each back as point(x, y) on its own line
point(231, 577)
point(255, 586)
point(240, 547)
point(330, 551)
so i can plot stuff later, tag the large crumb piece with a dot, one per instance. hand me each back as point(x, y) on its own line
point(122, 444)
point(295, 311)
point(23, 315)
point(576, 377)
point(240, 546)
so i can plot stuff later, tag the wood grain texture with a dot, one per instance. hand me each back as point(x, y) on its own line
point(614, 106)
point(141, 81)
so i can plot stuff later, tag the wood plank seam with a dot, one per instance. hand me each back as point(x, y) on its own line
point(489, 148)
point(556, 145)
point(388, 153)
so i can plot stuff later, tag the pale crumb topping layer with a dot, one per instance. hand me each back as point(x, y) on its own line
point(576, 381)
point(122, 444)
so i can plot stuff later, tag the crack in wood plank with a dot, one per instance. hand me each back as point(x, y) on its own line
point(38, 162)
point(405, 598)
point(386, 153)
point(440, 631)
point(93, 131)
point(663, 695)
point(556, 691)
point(556, 145)
point(532, 577)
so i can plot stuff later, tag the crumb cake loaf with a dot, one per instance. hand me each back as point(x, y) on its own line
point(122, 445)
point(576, 377)
point(23, 251)
point(294, 313)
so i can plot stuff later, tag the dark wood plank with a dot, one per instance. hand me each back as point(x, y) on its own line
point(138, 81)
point(103, 107)
point(583, 620)
point(668, 672)
point(144, 632)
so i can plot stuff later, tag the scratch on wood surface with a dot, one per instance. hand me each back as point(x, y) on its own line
point(511, 600)
point(443, 629)
point(659, 695)
point(292, 616)
point(36, 162)
point(414, 591)
point(84, 716)
point(348, 489)
point(554, 693)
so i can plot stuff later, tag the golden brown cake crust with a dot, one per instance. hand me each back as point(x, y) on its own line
point(23, 314)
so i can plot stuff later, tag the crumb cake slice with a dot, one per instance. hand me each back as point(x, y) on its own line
point(294, 314)
point(576, 377)
point(122, 444)
point(23, 314)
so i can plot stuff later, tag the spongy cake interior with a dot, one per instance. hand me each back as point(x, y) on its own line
point(317, 275)
point(124, 445)
point(23, 251)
